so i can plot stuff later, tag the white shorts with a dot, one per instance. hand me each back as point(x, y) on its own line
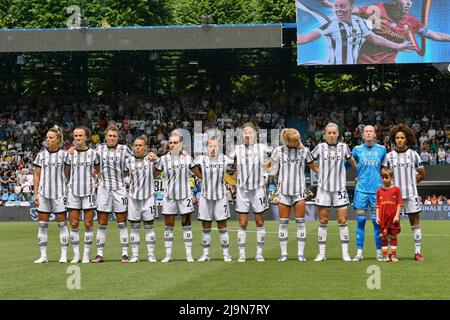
point(329, 199)
point(112, 200)
point(213, 209)
point(290, 200)
point(144, 210)
point(79, 203)
point(410, 205)
point(247, 199)
point(174, 207)
point(47, 205)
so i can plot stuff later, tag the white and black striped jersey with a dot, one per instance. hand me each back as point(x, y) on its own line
point(291, 163)
point(177, 171)
point(82, 163)
point(344, 40)
point(52, 182)
point(405, 165)
point(140, 170)
point(213, 175)
point(249, 159)
point(331, 159)
point(112, 163)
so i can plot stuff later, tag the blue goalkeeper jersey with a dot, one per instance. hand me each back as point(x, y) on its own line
point(369, 161)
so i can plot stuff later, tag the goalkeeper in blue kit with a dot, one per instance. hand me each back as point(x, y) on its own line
point(369, 157)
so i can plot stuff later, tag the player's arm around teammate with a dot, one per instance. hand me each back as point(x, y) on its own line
point(81, 162)
point(49, 192)
point(213, 203)
point(141, 201)
point(111, 192)
point(290, 159)
point(251, 190)
point(331, 190)
point(177, 166)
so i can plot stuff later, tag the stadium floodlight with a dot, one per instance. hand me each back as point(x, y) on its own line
point(57, 73)
point(193, 62)
point(39, 65)
point(201, 70)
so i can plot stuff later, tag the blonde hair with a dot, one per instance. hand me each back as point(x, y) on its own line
point(250, 125)
point(286, 133)
point(331, 125)
point(59, 134)
point(143, 138)
point(112, 127)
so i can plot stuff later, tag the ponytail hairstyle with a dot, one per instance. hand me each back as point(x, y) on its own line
point(59, 134)
point(285, 135)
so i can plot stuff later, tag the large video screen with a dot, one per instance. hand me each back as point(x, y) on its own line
point(372, 32)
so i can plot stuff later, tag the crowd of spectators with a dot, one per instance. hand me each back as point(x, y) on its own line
point(23, 125)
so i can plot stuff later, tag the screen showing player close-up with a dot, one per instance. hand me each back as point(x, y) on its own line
point(372, 32)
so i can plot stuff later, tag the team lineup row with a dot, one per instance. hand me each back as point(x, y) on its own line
point(111, 162)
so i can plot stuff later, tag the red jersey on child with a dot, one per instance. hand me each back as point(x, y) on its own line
point(395, 31)
point(387, 202)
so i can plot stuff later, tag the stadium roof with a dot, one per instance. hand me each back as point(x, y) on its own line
point(208, 36)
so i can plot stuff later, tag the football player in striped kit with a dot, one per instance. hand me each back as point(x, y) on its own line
point(213, 202)
point(288, 162)
point(84, 163)
point(331, 190)
point(177, 166)
point(49, 191)
point(251, 190)
point(111, 192)
point(141, 202)
point(408, 171)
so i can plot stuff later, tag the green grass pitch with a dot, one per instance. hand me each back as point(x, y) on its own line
point(217, 280)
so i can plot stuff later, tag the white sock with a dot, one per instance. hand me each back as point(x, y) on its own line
point(101, 239)
point(168, 240)
point(206, 241)
point(322, 237)
point(242, 235)
point(343, 232)
point(88, 237)
point(224, 241)
point(42, 238)
point(301, 235)
point(359, 252)
point(379, 252)
point(260, 237)
point(63, 237)
point(150, 239)
point(135, 238)
point(75, 241)
point(283, 235)
point(187, 236)
point(417, 232)
point(123, 233)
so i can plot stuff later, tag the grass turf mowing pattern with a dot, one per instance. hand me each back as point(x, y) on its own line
point(332, 279)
